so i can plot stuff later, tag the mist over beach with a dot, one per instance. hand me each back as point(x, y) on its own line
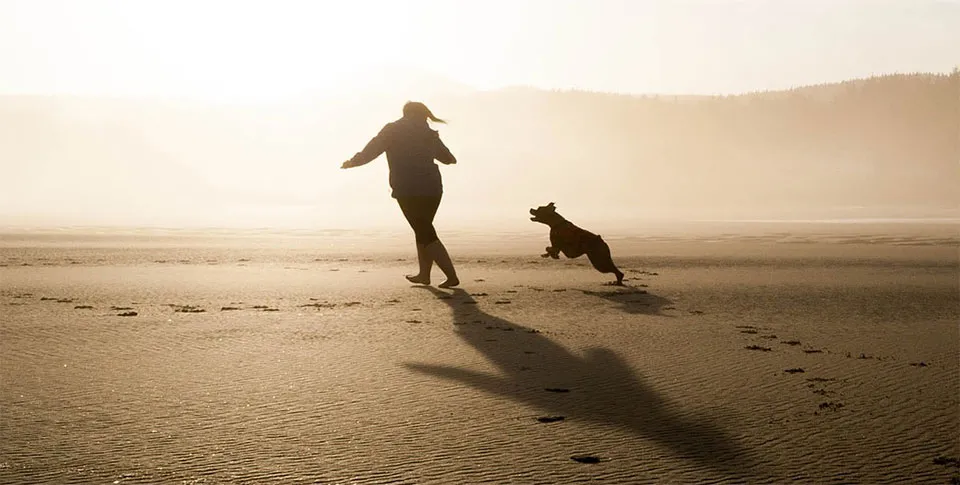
point(194, 290)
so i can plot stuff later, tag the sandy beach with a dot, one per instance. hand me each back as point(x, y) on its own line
point(809, 354)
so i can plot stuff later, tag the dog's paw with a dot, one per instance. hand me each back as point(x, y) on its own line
point(545, 255)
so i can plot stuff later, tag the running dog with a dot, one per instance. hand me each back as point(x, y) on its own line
point(574, 242)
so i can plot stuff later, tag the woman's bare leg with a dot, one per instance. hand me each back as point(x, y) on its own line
point(426, 264)
point(438, 253)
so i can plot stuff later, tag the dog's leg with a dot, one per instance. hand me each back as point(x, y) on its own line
point(552, 252)
point(619, 277)
point(600, 258)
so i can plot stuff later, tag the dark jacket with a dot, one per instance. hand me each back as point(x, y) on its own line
point(411, 148)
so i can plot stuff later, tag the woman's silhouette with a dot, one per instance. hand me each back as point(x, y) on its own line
point(411, 147)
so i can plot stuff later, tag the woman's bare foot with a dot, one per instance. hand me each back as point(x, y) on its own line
point(418, 280)
point(450, 283)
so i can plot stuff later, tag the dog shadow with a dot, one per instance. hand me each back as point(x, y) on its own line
point(598, 387)
point(634, 300)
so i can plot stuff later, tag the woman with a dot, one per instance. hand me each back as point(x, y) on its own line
point(411, 147)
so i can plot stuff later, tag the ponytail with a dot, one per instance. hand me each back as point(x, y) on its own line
point(416, 109)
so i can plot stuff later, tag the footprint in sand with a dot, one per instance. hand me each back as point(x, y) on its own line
point(120, 308)
point(127, 314)
point(317, 305)
point(83, 307)
point(502, 302)
point(696, 312)
point(556, 389)
point(585, 459)
point(749, 331)
point(947, 461)
point(919, 364)
point(830, 406)
point(550, 419)
point(812, 351)
point(769, 337)
point(187, 309)
point(795, 370)
point(791, 342)
point(479, 280)
point(757, 347)
point(414, 321)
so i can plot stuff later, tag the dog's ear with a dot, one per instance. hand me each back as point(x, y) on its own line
point(550, 204)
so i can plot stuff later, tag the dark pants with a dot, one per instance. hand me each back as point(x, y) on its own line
point(419, 212)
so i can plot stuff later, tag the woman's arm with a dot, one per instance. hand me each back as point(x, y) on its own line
point(443, 154)
point(374, 148)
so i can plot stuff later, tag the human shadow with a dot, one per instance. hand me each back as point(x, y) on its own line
point(633, 300)
point(599, 387)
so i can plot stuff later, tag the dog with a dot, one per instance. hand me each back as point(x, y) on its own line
point(574, 242)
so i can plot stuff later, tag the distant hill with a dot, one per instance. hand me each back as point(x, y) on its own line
point(886, 146)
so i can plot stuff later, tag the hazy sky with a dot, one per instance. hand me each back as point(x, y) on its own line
point(235, 49)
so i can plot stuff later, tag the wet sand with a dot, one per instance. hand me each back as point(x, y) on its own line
point(826, 356)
